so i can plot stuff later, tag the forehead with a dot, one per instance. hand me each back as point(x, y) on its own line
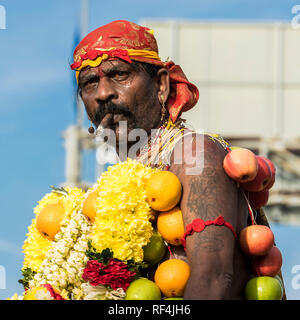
point(107, 66)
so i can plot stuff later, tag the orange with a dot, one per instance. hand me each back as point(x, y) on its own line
point(163, 191)
point(171, 277)
point(170, 226)
point(49, 220)
point(89, 206)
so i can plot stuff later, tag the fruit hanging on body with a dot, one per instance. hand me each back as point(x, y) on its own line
point(263, 288)
point(262, 179)
point(49, 220)
point(170, 226)
point(273, 172)
point(241, 165)
point(89, 206)
point(143, 289)
point(163, 191)
point(171, 277)
point(268, 265)
point(280, 281)
point(155, 250)
point(256, 240)
point(258, 199)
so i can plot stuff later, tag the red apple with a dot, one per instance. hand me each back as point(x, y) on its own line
point(273, 171)
point(256, 240)
point(268, 265)
point(240, 165)
point(262, 179)
point(258, 199)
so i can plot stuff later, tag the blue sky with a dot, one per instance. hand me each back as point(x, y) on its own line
point(36, 102)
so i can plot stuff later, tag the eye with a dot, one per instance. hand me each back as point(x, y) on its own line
point(90, 82)
point(119, 75)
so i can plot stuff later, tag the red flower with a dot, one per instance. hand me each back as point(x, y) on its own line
point(91, 272)
point(115, 274)
point(53, 293)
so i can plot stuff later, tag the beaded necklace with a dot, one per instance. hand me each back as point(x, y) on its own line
point(157, 150)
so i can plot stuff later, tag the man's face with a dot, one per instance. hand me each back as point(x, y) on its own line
point(119, 91)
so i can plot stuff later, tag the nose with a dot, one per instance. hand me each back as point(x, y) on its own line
point(105, 90)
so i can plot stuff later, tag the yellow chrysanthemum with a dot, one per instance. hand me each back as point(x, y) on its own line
point(64, 294)
point(122, 220)
point(36, 246)
point(37, 293)
point(15, 297)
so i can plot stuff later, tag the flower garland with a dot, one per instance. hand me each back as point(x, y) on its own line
point(91, 261)
point(59, 262)
point(36, 246)
point(66, 259)
point(114, 274)
point(101, 292)
point(122, 223)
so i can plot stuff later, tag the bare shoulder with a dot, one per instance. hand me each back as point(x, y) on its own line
point(208, 191)
point(199, 152)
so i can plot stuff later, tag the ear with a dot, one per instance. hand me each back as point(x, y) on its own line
point(79, 92)
point(163, 81)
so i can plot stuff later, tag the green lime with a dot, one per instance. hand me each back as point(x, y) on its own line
point(280, 281)
point(155, 250)
point(263, 288)
point(143, 289)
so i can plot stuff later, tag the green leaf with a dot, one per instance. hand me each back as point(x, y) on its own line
point(136, 267)
point(106, 255)
point(61, 190)
point(102, 257)
point(28, 275)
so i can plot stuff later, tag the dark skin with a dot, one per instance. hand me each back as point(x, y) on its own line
point(125, 85)
point(218, 269)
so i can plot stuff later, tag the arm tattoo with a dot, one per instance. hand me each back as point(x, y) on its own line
point(205, 201)
point(203, 196)
point(209, 242)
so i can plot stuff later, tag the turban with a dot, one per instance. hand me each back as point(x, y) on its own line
point(128, 41)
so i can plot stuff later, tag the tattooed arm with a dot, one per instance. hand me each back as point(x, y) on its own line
point(208, 195)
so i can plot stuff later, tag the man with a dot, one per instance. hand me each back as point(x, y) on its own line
point(122, 80)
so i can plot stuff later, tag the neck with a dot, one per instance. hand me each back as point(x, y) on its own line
point(132, 149)
point(157, 152)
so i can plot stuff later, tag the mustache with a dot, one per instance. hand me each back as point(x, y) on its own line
point(113, 108)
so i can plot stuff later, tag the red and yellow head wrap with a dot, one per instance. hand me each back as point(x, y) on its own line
point(128, 41)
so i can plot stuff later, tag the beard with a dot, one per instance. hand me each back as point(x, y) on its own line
point(115, 123)
point(112, 108)
point(109, 114)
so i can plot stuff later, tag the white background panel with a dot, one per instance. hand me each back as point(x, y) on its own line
point(292, 56)
point(291, 112)
point(236, 110)
point(241, 54)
